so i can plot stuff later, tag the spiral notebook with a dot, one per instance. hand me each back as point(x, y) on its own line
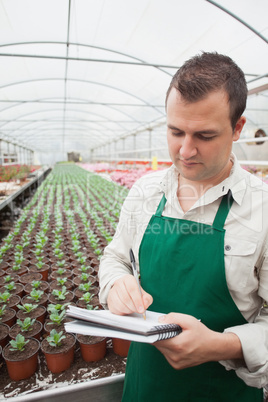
point(132, 327)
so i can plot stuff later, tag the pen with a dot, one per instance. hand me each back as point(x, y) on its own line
point(134, 269)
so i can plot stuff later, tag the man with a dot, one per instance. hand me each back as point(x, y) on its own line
point(199, 232)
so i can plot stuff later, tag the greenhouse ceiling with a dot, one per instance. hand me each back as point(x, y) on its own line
point(77, 75)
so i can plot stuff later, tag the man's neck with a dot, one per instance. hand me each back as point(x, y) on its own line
point(188, 192)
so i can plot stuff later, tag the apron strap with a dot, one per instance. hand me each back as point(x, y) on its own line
point(221, 215)
point(223, 210)
point(161, 206)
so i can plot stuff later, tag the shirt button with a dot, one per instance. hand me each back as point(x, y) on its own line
point(227, 247)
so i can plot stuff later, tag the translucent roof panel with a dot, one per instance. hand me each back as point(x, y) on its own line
point(76, 75)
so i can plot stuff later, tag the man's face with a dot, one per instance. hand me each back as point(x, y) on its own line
point(200, 136)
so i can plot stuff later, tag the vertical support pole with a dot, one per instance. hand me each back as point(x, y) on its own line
point(8, 152)
point(135, 148)
point(109, 152)
point(124, 148)
point(150, 145)
point(115, 153)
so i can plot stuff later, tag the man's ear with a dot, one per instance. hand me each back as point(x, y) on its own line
point(238, 128)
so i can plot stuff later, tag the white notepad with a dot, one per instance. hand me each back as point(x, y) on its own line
point(132, 327)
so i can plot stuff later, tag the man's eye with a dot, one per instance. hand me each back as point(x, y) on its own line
point(177, 133)
point(206, 138)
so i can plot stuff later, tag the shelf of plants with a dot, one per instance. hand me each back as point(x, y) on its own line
point(49, 260)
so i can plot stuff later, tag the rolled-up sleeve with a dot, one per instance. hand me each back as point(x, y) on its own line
point(254, 340)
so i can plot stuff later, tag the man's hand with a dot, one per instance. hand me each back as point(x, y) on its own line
point(125, 298)
point(197, 344)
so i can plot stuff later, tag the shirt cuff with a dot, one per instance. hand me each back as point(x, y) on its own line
point(253, 370)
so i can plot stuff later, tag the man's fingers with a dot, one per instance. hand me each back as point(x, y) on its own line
point(125, 297)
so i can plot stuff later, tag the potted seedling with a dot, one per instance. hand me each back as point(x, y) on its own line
point(56, 321)
point(61, 273)
point(21, 357)
point(14, 288)
point(61, 295)
point(41, 267)
point(7, 279)
point(17, 269)
point(36, 296)
point(32, 311)
point(9, 300)
point(58, 348)
point(29, 326)
point(7, 315)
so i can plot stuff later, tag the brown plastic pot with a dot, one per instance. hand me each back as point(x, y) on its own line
point(29, 277)
point(35, 332)
point(121, 346)
point(14, 278)
point(23, 270)
point(18, 289)
point(92, 348)
point(4, 334)
point(59, 359)
point(39, 313)
point(42, 301)
point(68, 298)
point(13, 302)
point(9, 317)
point(44, 271)
point(44, 286)
point(22, 365)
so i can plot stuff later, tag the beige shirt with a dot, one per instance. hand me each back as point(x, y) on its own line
point(245, 250)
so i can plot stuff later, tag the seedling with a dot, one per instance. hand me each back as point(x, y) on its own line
point(55, 338)
point(60, 294)
point(36, 294)
point(2, 310)
point(60, 255)
point(61, 281)
point(57, 317)
point(85, 287)
point(40, 264)
point(82, 260)
point(56, 308)
point(27, 324)
point(4, 297)
point(16, 267)
point(61, 263)
point(98, 251)
point(78, 254)
point(27, 307)
point(84, 268)
point(61, 271)
point(86, 297)
point(84, 277)
point(8, 279)
point(10, 286)
point(19, 343)
point(19, 247)
point(36, 284)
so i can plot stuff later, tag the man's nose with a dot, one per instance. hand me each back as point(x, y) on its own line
point(188, 147)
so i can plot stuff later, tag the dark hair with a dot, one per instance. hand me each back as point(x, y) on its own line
point(209, 72)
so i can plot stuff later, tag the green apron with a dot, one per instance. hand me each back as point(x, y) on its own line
point(182, 267)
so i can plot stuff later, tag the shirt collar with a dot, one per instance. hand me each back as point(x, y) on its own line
point(236, 182)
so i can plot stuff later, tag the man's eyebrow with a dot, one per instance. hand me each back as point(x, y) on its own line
point(174, 128)
point(208, 131)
